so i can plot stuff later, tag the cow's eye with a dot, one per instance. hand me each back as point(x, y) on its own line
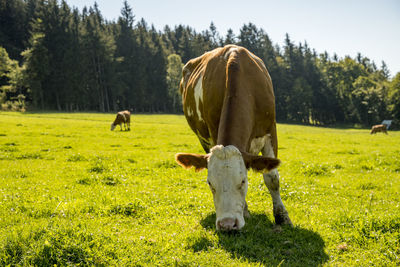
point(242, 184)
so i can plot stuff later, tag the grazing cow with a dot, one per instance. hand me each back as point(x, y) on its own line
point(229, 103)
point(379, 128)
point(122, 117)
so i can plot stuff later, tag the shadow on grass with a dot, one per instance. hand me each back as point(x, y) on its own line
point(263, 242)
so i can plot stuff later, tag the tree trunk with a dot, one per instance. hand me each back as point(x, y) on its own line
point(98, 85)
point(58, 101)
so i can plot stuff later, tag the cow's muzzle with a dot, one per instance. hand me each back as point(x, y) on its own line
point(228, 224)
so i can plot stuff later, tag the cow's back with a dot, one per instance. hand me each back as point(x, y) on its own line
point(210, 81)
point(124, 116)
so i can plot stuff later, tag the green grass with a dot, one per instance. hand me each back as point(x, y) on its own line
point(74, 193)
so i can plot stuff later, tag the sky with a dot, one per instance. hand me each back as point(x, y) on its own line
point(344, 27)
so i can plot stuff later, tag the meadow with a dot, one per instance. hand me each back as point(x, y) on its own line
point(74, 193)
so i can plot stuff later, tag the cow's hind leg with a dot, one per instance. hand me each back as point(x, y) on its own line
point(271, 180)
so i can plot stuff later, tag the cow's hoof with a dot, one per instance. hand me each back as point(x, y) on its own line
point(282, 217)
point(283, 220)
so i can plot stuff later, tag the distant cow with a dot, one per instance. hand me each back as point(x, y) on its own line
point(379, 128)
point(122, 117)
point(229, 103)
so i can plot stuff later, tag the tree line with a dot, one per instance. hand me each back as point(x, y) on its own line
point(54, 57)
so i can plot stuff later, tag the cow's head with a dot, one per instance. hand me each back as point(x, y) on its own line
point(227, 178)
point(112, 126)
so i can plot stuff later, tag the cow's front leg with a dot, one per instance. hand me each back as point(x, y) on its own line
point(281, 215)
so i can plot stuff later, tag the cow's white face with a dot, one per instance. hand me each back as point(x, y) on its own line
point(112, 126)
point(227, 178)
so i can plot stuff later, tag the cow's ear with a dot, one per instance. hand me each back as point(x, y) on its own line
point(187, 160)
point(260, 163)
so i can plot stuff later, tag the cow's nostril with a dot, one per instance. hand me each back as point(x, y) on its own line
point(227, 224)
point(236, 225)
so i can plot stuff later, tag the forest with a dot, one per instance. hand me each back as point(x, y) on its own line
point(55, 57)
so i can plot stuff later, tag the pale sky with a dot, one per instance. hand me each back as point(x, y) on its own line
point(371, 27)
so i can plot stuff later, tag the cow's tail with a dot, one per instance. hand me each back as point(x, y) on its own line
point(230, 99)
point(232, 70)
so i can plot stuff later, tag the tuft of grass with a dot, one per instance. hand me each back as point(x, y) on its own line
point(110, 180)
point(135, 209)
point(168, 164)
point(34, 155)
point(316, 169)
point(131, 160)
point(76, 158)
point(98, 167)
point(84, 181)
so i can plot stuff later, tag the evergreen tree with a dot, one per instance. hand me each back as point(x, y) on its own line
point(14, 32)
point(215, 39)
point(36, 65)
point(98, 61)
point(229, 38)
point(249, 37)
point(125, 89)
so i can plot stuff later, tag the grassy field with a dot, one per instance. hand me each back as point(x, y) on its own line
point(74, 193)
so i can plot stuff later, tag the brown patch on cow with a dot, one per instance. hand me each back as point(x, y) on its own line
point(260, 163)
point(188, 160)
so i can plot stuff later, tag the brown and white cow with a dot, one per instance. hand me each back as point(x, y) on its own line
point(379, 128)
point(229, 103)
point(123, 117)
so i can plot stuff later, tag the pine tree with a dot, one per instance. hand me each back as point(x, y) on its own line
point(14, 32)
point(215, 40)
point(36, 65)
point(98, 47)
point(230, 37)
point(125, 90)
